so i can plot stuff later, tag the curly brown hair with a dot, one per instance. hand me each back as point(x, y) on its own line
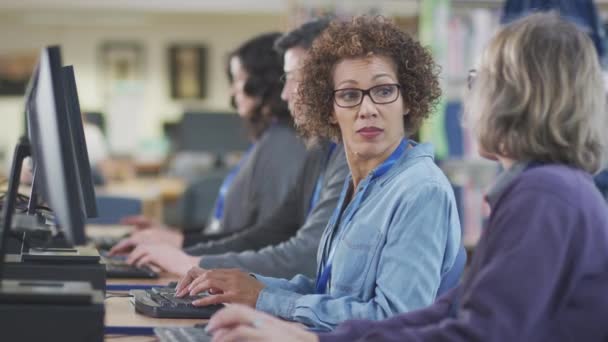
point(362, 37)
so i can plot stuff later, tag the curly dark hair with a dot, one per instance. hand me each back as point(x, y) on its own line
point(265, 68)
point(362, 37)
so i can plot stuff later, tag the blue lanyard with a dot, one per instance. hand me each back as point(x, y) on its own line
point(324, 275)
point(319, 185)
point(218, 212)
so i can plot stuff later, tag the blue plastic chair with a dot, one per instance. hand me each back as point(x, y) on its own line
point(111, 209)
point(452, 277)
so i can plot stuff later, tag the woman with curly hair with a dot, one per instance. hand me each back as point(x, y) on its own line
point(395, 231)
point(540, 270)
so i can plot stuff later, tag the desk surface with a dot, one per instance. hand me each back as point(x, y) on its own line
point(163, 279)
point(120, 311)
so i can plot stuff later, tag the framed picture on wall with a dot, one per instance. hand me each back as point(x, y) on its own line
point(122, 77)
point(121, 62)
point(15, 71)
point(188, 71)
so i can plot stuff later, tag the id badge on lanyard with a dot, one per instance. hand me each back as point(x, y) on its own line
point(218, 211)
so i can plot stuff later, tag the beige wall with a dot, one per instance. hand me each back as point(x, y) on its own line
point(81, 33)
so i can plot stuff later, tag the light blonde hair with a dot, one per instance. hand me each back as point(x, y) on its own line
point(539, 94)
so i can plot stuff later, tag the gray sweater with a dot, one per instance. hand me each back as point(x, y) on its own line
point(285, 220)
point(263, 182)
point(298, 254)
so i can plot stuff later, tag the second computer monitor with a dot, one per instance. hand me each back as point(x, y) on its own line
point(51, 145)
point(79, 144)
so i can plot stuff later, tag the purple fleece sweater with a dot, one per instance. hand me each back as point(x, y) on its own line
point(539, 273)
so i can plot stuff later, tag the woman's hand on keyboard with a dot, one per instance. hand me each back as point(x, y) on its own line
point(140, 222)
point(166, 257)
point(223, 285)
point(152, 235)
point(181, 289)
point(239, 323)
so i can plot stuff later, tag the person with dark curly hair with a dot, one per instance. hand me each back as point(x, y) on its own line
point(540, 271)
point(264, 178)
point(395, 232)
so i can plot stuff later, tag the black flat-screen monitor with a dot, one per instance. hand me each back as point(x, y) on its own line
point(51, 145)
point(217, 133)
point(81, 156)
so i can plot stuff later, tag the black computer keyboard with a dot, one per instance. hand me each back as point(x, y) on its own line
point(186, 334)
point(105, 242)
point(168, 294)
point(116, 267)
point(161, 302)
point(128, 271)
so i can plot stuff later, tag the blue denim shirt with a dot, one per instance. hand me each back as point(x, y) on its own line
point(403, 236)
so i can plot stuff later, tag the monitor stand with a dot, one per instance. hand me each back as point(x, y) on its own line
point(44, 244)
point(35, 223)
point(32, 223)
point(80, 255)
point(73, 309)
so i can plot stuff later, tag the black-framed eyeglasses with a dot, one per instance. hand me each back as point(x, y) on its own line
point(380, 94)
point(471, 78)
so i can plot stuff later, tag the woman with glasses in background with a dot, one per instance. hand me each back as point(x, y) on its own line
point(395, 232)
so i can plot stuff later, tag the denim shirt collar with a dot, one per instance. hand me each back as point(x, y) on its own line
point(415, 150)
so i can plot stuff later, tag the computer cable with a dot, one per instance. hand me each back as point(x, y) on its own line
point(22, 202)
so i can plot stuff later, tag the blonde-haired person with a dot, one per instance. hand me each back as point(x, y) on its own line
point(540, 271)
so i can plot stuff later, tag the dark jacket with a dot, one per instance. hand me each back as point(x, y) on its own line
point(279, 226)
point(263, 182)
